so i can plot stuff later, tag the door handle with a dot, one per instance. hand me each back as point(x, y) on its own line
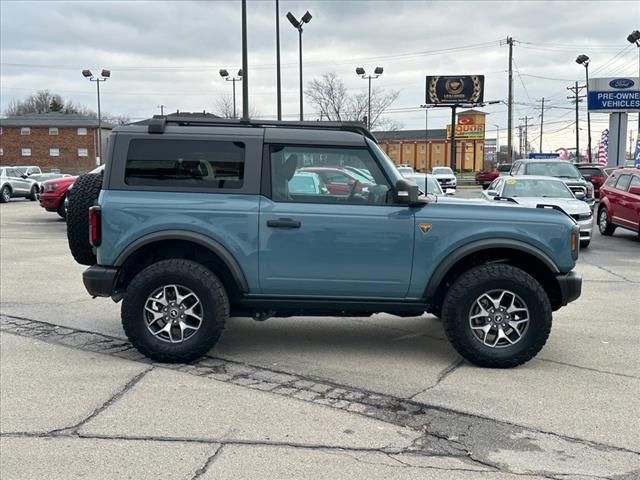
point(284, 223)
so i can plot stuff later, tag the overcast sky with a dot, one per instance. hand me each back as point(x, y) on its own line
point(170, 52)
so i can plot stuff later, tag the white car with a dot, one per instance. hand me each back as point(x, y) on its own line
point(428, 185)
point(445, 177)
point(531, 191)
point(404, 171)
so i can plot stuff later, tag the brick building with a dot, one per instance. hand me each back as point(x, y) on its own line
point(424, 150)
point(67, 142)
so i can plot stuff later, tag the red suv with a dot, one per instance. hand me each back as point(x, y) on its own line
point(595, 174)
point(620, 201)
point(54, 193)
point(340, 181)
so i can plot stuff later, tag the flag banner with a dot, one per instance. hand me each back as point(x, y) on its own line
point(636, 156)
point(603, 147)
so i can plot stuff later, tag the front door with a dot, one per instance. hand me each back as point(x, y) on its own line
point(315, 243)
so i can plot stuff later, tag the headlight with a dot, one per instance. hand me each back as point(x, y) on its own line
point(50, 187)
point(585, 216)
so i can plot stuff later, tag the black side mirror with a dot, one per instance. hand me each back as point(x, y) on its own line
point(24, 175)
point(406, 192)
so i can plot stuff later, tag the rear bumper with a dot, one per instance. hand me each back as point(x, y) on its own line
point(570, 286)
point(100, 281)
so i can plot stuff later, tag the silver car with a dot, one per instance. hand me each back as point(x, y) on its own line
point(428, 184)
point(15, 183)
point(531, 191)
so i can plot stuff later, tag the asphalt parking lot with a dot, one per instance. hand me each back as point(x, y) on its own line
point(379, 397)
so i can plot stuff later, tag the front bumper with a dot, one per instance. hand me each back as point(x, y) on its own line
point(570, 287)
point(100, 281)
point(586, 228)
point(50, 201)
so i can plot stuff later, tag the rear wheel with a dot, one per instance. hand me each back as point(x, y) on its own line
point(497, 316)
point(605, 227)
point(83, 195)
point(174, 311)
point(5, 194)
point(33, 195)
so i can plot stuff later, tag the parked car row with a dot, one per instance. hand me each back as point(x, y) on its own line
point(620, 201)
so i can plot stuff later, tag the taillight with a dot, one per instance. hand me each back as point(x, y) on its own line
point(95, 226)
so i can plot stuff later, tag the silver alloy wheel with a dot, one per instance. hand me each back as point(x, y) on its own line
point(173, 313)
point(499, 318)
point(603, 219)
point(6, 194)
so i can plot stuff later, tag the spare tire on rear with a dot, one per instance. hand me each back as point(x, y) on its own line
point(83, 195)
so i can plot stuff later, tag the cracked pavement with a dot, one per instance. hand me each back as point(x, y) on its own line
point(379, 397)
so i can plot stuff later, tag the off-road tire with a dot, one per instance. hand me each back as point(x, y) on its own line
point(5, 194)
point(83, 195)
point(204, 283)
point(468, 287)
point(608, 228)
point(33, 195)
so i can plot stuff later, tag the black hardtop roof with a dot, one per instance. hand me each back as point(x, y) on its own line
point(158, 123)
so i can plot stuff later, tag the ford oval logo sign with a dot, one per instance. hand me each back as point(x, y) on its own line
point(621, 83)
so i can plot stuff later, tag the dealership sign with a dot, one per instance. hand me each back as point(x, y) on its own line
point(614, 94)
point(455, 90)
point(467, 132)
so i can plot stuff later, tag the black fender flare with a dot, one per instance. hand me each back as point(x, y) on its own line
point(454, 257)
point(207, 242)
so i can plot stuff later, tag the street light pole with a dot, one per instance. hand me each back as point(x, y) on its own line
point(297, 24)
point(278, 81)
point(634, 37)
point(497, 143)
point(376, 73)
point(225, 74)
point(105, 74)
point(584, 60)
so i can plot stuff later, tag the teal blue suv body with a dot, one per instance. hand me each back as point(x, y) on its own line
point(195, 222)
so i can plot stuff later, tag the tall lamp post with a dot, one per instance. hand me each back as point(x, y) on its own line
point(105, 74)
point(497, 143)
point(634, 37)
point(584, 60)
point(306, 18)
point(376, 73)
point(426, 134)
point(224, 74)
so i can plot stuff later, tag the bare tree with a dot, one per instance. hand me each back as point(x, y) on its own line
point(224, 108)
point(43, 101)
point(334, 102)
point(116, 119)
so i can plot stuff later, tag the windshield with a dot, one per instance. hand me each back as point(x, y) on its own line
point(359, 176)
point(552, 169)
point(535, 188)
point(442, 171)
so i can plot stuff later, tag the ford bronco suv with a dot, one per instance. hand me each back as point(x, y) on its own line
point(194, 221)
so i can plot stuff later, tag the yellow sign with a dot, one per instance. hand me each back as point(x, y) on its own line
point(467, 132)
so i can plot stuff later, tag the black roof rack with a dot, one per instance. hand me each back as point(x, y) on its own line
point(158, 123)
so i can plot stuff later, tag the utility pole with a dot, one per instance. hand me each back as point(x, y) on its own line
point(510, 103)
point(577, 98)
point(278, 80)
point(541, 121)
point(245, 65)
point(525, 140)
point(520, 138)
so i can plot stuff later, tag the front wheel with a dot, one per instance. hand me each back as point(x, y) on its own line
point(497, 316)
point(604, 226)
point(174, 311)
point(33, 195)
point(5, 194)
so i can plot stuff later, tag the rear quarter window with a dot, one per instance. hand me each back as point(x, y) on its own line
point(185, 163)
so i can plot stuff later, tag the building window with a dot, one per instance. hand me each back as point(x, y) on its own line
point(26, 152)
point(82, 131)
point(423, 148)
point(83, 152)
point(0, 130)
point(1, 151)
point(25, 131)
point(53, 130)
point(407, 148)
point(393, 147)
point(437, 148)
point(54, 152)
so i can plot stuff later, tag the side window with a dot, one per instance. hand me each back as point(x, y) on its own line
point(514, 169)
point(495, 185)
point(611, 181)
point(635, 181)
point(623, 182)
point(317, 174)
point(185, 163)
